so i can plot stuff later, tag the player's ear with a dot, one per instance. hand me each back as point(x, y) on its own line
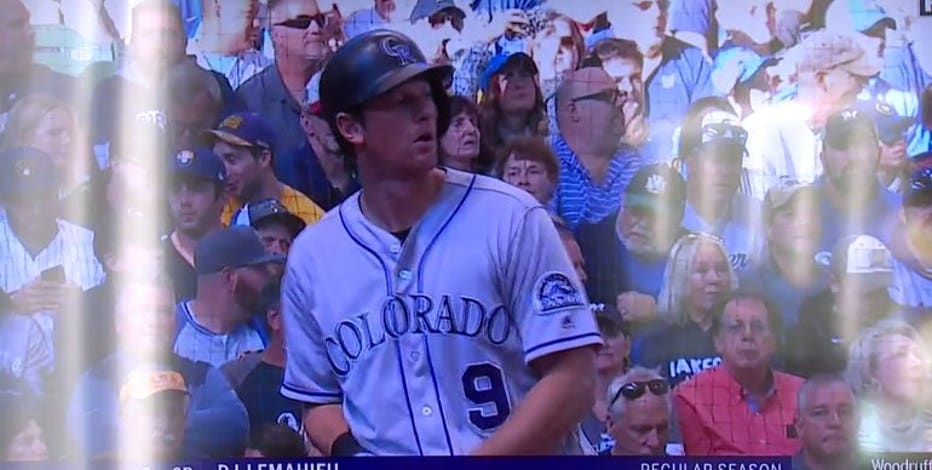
point(350, 128)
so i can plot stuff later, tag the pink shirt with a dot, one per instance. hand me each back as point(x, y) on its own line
point(716, 418)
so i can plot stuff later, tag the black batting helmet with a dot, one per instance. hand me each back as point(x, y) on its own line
point(373, 63)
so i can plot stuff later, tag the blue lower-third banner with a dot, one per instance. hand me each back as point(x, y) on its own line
point(444, 463)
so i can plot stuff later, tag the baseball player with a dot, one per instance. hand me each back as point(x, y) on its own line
point(434, 312)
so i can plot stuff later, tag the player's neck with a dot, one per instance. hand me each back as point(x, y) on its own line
point(397, 204)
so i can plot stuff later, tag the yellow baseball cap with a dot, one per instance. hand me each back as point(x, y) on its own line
point(143, 384)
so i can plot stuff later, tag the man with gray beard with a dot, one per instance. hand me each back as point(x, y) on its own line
point(626, 253)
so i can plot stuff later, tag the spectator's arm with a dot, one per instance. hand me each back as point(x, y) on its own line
point(217, 423)
point(695, 440)
point(537, 426)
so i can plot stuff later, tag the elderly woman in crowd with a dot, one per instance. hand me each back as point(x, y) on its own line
point(888, 368)
point(462, 147)
point(512, 103)
point(697, 277)
point(529, 163)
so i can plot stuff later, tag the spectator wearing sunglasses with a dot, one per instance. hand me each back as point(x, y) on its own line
point(640, 412)
point(743, 406)
point(713, 148)
point(912, 272)
point(676, 73)
point(852, 198)
point(786, 271)
point(301, 47)
point(595, 167)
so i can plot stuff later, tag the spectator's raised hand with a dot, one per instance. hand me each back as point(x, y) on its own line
point(636, 130)
point(636, 307)
point(41, 296)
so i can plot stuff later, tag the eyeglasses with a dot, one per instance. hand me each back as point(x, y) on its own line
point(724, 131)
point(304, 21)
point(635, 390)
point(605, 96)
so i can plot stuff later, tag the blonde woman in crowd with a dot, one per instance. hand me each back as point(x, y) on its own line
point(888, 368)
point(48, 124)
point(698, 277)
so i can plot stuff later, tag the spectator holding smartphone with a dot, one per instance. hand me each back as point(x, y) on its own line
point(33, 239)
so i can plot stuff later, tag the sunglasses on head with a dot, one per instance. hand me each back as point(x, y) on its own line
point(724, 131)
point(304, 21)
point(605, 96)
point(635, 390)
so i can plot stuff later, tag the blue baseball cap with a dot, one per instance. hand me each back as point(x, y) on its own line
point(25, 172)
point(891, 126)
point(740, 64)
point(245, 129)
point(199, 162)
point(229, 248)
point(500, 61)
point(859, 15)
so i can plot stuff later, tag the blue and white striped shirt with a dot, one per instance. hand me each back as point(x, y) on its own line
point(578, 198)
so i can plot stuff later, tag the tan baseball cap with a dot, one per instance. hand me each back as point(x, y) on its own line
point(783, 193)
point(825, 50)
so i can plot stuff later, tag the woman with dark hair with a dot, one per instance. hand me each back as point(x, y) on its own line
point(512, 102)
point(462, 147)
point(21, 438)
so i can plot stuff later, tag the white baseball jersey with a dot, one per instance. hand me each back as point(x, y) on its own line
point(427, 343)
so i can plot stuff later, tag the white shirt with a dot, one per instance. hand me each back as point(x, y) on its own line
point(780, 145)
point(72, 248)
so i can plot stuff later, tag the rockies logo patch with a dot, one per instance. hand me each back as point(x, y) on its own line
point(554, 292)
point(392, 47)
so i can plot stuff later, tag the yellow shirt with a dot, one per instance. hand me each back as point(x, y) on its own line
point(296, 203)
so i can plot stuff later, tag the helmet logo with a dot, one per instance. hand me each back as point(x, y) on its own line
point(393, 47)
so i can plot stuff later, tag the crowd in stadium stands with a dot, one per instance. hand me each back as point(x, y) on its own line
point(744, 187)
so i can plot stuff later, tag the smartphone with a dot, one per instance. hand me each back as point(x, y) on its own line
point(54, 274)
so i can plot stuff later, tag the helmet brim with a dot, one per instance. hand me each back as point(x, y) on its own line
point(436, 74)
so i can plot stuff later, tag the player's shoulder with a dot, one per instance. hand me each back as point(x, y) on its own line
point(488, 190)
